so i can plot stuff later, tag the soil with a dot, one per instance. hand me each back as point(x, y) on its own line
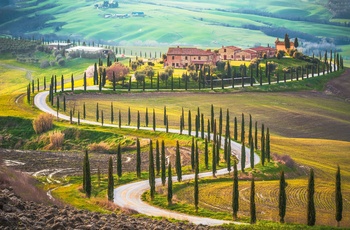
point(340, 86)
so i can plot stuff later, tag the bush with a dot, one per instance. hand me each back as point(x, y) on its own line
point(284, 159)
point(61, 62)
point(56, 140)
point(99, 147)
point(44, 64)
point(52, 63)
point(43, 123)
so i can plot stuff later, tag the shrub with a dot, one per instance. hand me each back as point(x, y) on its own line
point(99, 147)
point(43, 123)
point(61, 62)
point(44, 64)
point(56, 140)
point(52, 63)
point(284, 159)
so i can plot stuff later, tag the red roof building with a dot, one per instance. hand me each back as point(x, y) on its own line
point(182, 57)
point(228, 52)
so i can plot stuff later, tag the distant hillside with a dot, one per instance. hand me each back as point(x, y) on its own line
point(340, 8)
point(205, 23)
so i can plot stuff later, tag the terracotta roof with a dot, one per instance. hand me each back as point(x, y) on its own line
point(188, 51)
point(248, 51)
point(261, 48)
point(231, 47)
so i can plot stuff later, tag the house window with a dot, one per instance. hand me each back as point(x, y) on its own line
point(173, 57)
point(199, 58)
point(186, 58)
point(173, 64)
point(224, 50)
point(177, 64)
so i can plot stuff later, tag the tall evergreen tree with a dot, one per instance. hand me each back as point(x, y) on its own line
point(119, 119)
point(129, 116)
point(338, 198)
point(119, 162)
point(178, 163)
point(189, 122)
point(165, 120)
point(228, 157)
point(311, 211)
point(268, 144)
point(170, 185)
point(87, 175)
point(62, 83)
point(251, 153)
point(138, 119)
point(192, 155)
point(263, 155)
point(163, 159)
point(212, 118)
point(296, 43)
point(97, 113)
point(206, 154)
point(196, 189)
point(112, 113)
point(213, 165)
point(243, 157)
point(102, 119)
point(84, 107)
point(250, 134)
point(286, 41)
point(252, 203)
point(72, 82)
point(242, 129)
point(282, 198)
point(256, 135)
point(202, 126)
point(235, 133)
point(154, 120)
point(152, 179)
point(157, 158)
point(208, 130)
point(235, 195)
point(110, 191)
point(138, 158)
point(146, 117)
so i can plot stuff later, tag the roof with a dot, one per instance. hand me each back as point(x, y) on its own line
point(247, 51)
point(231, 47)
point(189, 51)
point(261, 48)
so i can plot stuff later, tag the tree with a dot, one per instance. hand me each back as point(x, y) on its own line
point(72, 82)
point(170, 185)
point(213, 165)
point(286, 41)
point(252, 203)
point(338, 198)
point(228, 157)
point(95, 74)
point(85, 83)
point(242, 129)
point(243, 157)
point(112, 113)
point(152, 181)
point(87, 188)
point(282, 198)
point(296, 43)
point(263, 145)
point(119, 162)
point(268, 144)
point(129, 116)
point(235, 195)
point(97, 112)
point(212, 117)
point(196, 190)
point(250, 134)
point(157, 158)
point(138, 158)
point(110, 190)
point(189, 122)
point(164, 118)
point(162, 159)
point(146, 117)
point(235, 133)
point(256, 135)
point(119, 70)
point(178, 162)
point(154, 120)
point(311, 211)
point(252, 153)
point(192, 155)
point(138, 119)
point(206, 154)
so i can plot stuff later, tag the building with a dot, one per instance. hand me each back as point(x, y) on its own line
point(262, 51)
point(281, 46)
point(89, 49)
point(228, 52)
point(179, 57)
point(246, 55)
point(59, 45)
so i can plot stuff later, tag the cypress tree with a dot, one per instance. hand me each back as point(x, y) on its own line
point(87, 175)
point(33, 86)
point(44, 83)
point(138, 158)
point(85, 83)
point(72, 83)
point(57, 105)
point(129, 116)
point(262, 145)
point(196, 192)
point(95, 74)
point(114, 81)
point(152, 182)
point(97, 113)
point(338, 198)
point(146, 117)
point(235, 195)
point(268, 144)
point(154, 120)
point(138, 119)
point(62, 83)
point(196, 126)
point(110, 191)
point(202, 126)
point(165, 120)
point(228, 157)
point(242, 129)
point(189, 122)
point(112, 113)
point(157, 158)
point(102, 119)
point(251, 153)
point(129, 85)
point(78, 117)
point(235, 134)
point(119, 119)
point(181, 127)
point(213, 165)
point(162, 158)
point(84, 107)
point(206, 154)
point(256, 135)
point(98, 176)
point(208, 130)
point(170, 185)
point(192, 155)
point(250, 134)
point(243, 157)
point(282, 198)
point(252, 203)
point(311, 211)
point(178, 163)
point(119, 162)
point(212, 117)
point(71, 116)
point(167, 125)
point(55, 84)
point(28, 93)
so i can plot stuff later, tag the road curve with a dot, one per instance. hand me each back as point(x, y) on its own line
point(129, 196)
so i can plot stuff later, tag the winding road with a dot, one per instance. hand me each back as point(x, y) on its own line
point(129, 196)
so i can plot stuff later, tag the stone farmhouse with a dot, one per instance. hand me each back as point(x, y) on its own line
point(89, 49)
point(281, 46)
point(237, 54)
point(179, 57)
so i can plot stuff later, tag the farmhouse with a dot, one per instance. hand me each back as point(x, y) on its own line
point(228, 52)
point(262, 51)
point(246, 55)
point(179, 57)
point(281, 46)
point(88, 49)
point(59, 45)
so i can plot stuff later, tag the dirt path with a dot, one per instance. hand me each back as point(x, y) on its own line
point(340, 86)
point(28, 72)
